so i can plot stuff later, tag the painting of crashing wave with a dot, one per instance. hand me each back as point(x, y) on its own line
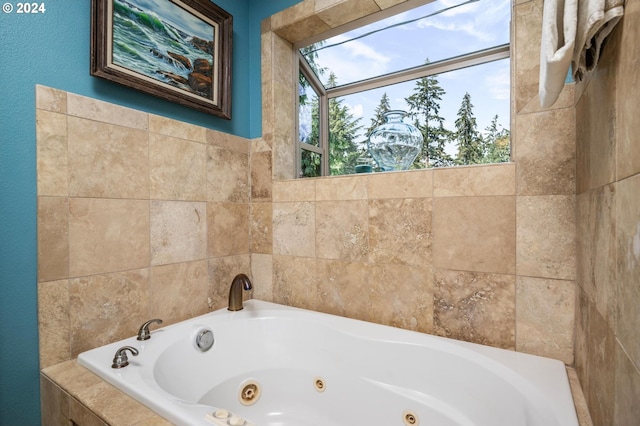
point(163, 41)
point(174, 46)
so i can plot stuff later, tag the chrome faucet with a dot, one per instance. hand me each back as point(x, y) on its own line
point(120, 360)
point(235, 292)
point(144, 333)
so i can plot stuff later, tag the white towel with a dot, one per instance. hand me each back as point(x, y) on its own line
point(572, 34)
point(559, 22)
point(596, 19)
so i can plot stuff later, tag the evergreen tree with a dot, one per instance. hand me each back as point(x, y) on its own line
point(469, 139)
point(343, 130)
point(383, 107)
point(424, 107)
point(497, 143)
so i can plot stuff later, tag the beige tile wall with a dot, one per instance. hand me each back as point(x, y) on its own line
point(475, 253)
point(608, 221)
point(139, 216)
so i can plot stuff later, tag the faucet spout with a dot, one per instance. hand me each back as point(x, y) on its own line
point(235, 292)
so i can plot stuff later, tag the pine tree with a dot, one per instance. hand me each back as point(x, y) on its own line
point(343, 130)
point(497, 143)
point(424, 107)
point(469, 139)
point(383, 107)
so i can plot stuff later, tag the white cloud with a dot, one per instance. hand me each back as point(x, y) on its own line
point(499, 83)
point(356, 110)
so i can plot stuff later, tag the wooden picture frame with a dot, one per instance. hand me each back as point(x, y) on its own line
point(177, 50)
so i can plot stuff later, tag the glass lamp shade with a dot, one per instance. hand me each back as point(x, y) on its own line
point(394, 145)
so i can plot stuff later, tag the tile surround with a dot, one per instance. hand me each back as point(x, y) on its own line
point(543, 274)
point(607, 349)
point(125, 237)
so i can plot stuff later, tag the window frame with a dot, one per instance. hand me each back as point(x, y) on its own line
point(499, 52)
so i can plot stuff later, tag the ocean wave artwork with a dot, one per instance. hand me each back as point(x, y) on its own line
point(164, 42)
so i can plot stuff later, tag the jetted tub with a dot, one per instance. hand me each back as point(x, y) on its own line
point(276, 365)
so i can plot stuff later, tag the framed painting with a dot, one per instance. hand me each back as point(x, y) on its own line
point(177, 50)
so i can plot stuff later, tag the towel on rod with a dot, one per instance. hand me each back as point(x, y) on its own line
point(559, 23)
point(596, 19)
point(572, 34)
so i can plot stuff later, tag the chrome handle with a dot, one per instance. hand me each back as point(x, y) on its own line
point(144, 333)
point(120, 360)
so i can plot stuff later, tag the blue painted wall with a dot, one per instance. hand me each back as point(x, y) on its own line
point(52, 49)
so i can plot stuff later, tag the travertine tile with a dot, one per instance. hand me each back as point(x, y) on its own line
point(107, 160)
point(384, 4)
point(107, 402)
point(51, 148)
point(53, 322)
point(628, 243)
point(342, 230)
point(335, 14)
point(53, 238)
point(343, 288)
point(262, 276)
point(54, 404)
point(475, 307)
point(545, 317)
point(50, 99)
point(176, 129)
point(261, 179)
point(596, 130)
point(178, 231)
point(107, 235)
point(528, 29)
point(259, 145)
point(179, 291)
point(294, 190)
point(227, 176)
point(341, 188)
point(284, 130)
point(227, 229)
point(413, 184)
point(81, 415)
point(261, 228)
point(222, 270)
point(581, 345)
point(177, 168)
point(400, 231)
point(298, 22)
point(601, 370)
point(295, 281)
point(402, 296)
point(106, 308)
point(628, 93)
point(546, 153)
point(627, 390)
point(294, 229)
point(93, 109)
point(545, 236)
point(528, 99)
point(579, 401)
point(497, 179)
point(297, 12)
point(596, 242)
point(474, 234)
point(227, 141)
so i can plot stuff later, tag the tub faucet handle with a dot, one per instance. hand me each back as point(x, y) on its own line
point(144, 333)
point(120, 360)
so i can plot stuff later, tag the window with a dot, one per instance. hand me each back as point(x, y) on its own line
point(445, 63)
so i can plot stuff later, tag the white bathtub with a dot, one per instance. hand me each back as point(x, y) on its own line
point(318, 369)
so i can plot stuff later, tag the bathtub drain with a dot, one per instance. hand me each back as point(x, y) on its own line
point(249, 392)
point(410, 418)
point(318, 383)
